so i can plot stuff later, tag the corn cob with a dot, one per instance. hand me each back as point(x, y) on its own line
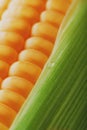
point(19, 71)
point(58, 100)
point(10, 36)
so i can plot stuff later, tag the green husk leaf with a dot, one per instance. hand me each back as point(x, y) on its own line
point(59, 98)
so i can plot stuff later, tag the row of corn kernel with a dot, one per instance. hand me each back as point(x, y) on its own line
point(3, 66)
point(15, 27)
point(24, 73)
